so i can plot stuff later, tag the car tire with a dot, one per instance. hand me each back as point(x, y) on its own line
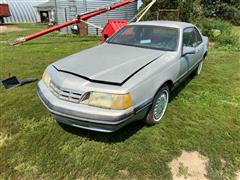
point(199, 68)
point(159, 106)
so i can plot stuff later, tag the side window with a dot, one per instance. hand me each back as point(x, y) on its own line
point(189, 37)
point(198, 36)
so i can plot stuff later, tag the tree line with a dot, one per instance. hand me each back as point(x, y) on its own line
point(190, 10)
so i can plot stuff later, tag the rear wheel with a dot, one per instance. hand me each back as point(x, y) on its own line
point(199, 68)
point(159, 106)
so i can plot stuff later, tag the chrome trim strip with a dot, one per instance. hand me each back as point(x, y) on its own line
point(64, 94)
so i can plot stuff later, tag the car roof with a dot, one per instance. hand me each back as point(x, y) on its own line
point(173, 24)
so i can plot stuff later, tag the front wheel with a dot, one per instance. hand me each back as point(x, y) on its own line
point(159, 106)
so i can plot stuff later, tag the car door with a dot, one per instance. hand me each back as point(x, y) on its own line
point(193, 38)
point(187, 61)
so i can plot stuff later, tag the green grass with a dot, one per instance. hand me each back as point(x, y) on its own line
point(203, 116)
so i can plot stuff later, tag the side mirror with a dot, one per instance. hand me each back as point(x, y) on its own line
point(188, 50)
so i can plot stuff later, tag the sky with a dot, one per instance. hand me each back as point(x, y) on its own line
point(139, 3)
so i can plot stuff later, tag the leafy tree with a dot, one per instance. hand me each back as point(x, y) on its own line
point(160, 4)
point(224, 9)
point(187, 8)
point(192, 9)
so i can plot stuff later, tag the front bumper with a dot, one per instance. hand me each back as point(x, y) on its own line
point(87, 117)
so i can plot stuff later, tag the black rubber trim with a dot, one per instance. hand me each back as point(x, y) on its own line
point(106, 82)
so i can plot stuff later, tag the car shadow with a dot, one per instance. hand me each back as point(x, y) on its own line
point(115, 137)
point(125, 132)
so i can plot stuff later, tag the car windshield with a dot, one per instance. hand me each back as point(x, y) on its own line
point(153, 37)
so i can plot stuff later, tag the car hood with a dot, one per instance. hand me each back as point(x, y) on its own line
point(108, 63)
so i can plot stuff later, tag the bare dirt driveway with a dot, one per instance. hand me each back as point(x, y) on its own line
point(10, 28)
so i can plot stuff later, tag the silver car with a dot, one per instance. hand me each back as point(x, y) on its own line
point(127, 78)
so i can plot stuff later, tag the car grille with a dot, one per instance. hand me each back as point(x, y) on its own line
point(64, 94)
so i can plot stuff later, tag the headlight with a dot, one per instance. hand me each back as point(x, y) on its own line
point(46, 78)
point(107, 100)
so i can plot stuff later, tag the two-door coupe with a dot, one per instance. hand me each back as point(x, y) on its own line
point(127, 78)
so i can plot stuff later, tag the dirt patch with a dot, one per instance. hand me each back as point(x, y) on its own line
point(12, 28)
point(80, 178)
point(124, 172)
point(211, 44)
point(190, 166)
point(3, 42)
point(238, 175)
point(223, 164)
